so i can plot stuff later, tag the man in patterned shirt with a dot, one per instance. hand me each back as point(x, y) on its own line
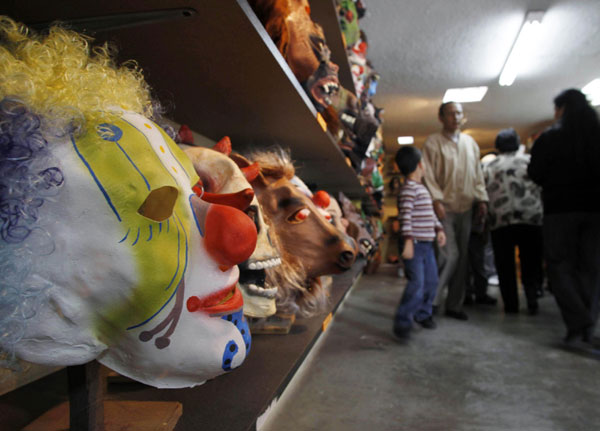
point(419, 228)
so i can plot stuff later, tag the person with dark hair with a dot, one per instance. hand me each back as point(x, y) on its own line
point(565, 161)
point(395, 184)
point(515, 218)
point(454, 178)
point(419, 228)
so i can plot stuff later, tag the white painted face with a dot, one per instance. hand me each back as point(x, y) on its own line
point(220, 174)
point(141, 275)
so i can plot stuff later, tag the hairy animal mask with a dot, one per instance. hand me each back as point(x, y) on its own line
point(302, 43)
point(310, 245)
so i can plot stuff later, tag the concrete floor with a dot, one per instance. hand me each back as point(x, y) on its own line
point(493, 372)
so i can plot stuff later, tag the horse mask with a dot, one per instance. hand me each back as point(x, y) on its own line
point(310, 245)
point(220, 174)
point(106, 251)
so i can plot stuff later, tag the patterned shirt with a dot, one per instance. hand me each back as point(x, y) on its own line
point(514, 198)
point(453, 173)
point(415, 211)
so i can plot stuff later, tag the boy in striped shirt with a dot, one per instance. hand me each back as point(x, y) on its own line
point(420, 227)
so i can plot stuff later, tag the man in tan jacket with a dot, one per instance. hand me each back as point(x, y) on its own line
point(455, 180)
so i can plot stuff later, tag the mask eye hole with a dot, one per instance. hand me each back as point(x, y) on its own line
point(252, 212)
point(299, 216)
point(159, 204)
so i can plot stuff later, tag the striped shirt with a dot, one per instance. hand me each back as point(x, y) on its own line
point(415, 211)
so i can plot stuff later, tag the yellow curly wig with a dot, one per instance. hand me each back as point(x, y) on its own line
point(62, 69)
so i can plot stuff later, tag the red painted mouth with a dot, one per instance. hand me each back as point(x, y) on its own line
point(224, 301)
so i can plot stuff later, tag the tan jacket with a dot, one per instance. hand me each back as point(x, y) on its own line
point(453, 172)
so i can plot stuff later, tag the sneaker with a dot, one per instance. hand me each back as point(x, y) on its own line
point(493, 280)
point(427, 323)
point(486, 300)
point(459, 315)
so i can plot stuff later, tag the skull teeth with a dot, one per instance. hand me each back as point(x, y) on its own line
point(267, 292)
point(264, 264)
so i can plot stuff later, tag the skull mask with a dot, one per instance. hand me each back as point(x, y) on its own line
point(220, 174)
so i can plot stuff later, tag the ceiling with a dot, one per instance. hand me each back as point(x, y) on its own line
point(420, 48)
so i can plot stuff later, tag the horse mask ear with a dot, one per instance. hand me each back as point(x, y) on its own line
point(251, 170)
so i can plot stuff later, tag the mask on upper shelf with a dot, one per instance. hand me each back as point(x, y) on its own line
point(310, 245)
point(349, 21)
point(228, 174)
point(302, 43)
point(106, 251)
point(353, 124)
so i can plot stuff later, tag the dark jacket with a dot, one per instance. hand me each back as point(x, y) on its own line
point(567, 185)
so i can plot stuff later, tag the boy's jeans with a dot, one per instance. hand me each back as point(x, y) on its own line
point(422, 275)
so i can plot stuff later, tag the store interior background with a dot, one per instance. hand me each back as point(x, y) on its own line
point(421, 49)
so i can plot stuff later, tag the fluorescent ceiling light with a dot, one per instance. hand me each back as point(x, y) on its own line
point(464, 95)
point(522, 48)
point(406, 140)
point(592, 91)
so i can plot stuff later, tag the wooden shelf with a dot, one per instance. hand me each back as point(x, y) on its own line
point(217, 65)
point(213, 60)
point(231, 402)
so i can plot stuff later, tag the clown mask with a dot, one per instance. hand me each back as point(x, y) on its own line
point(138, 272)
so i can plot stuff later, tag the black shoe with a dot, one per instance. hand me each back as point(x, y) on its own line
point(486, 300)
point(532, 309)
point(402, 334)
point(573, 337)
point(427, 323)
point(459, 315)
point(587, 334)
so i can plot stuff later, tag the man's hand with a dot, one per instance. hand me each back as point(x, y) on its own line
point(441, 238)
point(438, 208)
point(409, 249)
point(481, 212)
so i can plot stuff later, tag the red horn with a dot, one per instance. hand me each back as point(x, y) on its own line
point(185, 135)
point(251, 172)
point(223, 146)
point(240, 200)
